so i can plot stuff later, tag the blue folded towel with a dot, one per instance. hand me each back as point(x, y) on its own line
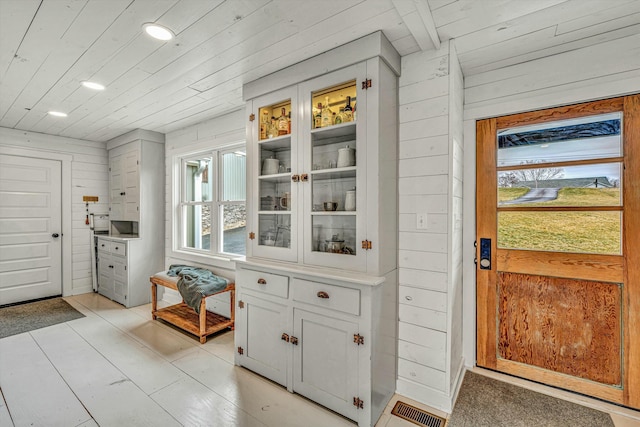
point(194, 283)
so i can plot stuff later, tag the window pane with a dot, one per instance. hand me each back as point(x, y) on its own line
point(594, 137)
point(199, 180)
point(197, 226)
point(582, 232)
point(588, 185)
point(233, 236)
point(234, 176)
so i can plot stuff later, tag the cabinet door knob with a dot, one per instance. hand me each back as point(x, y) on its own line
point(323, 295)
point(295, 178)
point(304, 177)
point(293, 340)
point(55, 235)
point(261, 281)
point(285, 337)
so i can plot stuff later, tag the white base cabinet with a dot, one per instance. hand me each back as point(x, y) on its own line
point(123, 270)
point(329, 338)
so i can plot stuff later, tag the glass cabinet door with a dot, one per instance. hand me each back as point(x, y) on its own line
point(274, 193)
point(332, 131)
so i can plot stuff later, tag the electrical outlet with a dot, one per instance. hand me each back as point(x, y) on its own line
point(421, 221)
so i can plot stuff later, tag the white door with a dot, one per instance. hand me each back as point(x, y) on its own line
point(30, 228)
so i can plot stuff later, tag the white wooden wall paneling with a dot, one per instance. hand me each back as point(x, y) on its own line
point(419, 354)
point(428, 242)
point(427, 318)
point(423, 279)
point(436, 223)
point(422, 374)
point(431, 261)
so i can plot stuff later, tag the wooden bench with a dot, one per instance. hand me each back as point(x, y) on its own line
point(183, 316)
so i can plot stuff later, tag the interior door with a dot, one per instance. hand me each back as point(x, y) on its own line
point(30, 228)
point(558, 289)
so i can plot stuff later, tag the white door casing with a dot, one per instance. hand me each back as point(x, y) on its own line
point(30, 228)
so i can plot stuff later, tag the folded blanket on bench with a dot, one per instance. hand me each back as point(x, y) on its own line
point(194, 283)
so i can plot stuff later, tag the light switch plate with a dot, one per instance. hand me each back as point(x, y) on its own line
point(421, 221)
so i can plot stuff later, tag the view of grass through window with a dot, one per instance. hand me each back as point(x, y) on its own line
point(552, 196)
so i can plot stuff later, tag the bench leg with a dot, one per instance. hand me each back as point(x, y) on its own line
point(154, 300)
point(203, 321)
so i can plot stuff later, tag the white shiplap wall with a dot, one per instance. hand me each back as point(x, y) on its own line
point(430, 183)
point(89, 177)
point(601, 71)
point(208, 135)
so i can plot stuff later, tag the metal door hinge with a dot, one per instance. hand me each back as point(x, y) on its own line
point(358, 339)
point(366, 244)
point(240, 350)
point(252, 117)
point(366, 84)
point(358, 403)
point(252, 235)
point(240, 304)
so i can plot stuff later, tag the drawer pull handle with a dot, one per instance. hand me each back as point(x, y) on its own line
point(285, 337)
point(261, 281)
point(323, 295)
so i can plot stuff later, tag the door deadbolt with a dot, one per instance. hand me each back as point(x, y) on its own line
point(485, 254)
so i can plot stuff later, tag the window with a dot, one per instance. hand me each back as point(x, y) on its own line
point(212, 213)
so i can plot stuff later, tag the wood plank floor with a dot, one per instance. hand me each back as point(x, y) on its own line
point(117, 367)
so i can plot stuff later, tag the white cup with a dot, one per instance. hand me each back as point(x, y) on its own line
point(350, 200)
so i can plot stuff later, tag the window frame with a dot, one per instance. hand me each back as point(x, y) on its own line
point(179, 249)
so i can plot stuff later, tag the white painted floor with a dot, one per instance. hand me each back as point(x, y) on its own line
point(117, 367)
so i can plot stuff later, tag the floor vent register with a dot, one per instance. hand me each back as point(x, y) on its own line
point(417, 416)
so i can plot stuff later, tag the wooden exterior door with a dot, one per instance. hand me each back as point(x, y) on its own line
point(558, 247)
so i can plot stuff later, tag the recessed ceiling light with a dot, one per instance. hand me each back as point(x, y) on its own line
point(92, 85)
point(58, 113)
point(158, 31)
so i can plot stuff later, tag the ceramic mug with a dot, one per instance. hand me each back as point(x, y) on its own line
point(284, 201)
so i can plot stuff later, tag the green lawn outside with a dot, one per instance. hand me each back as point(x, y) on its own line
point(585, 232)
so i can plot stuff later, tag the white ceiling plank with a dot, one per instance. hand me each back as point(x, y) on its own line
point(406, 45)
point(553, 50)
point(437, 4)
point(544, 18)
point(118, 35)
point(49, 24)
point(15, 18)
point(583, 66)
point(199, 40)
point(616, 10)
point(462, 9)
point(487, 16)
point(184, 14)
point(415, 24)
point(427, 18)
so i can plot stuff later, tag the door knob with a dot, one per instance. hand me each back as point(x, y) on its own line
point(54, 235)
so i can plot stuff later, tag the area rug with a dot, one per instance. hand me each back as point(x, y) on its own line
point(21, 318)
point(484, 402)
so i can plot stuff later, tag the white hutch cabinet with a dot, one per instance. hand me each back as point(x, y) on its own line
point(134, 248)
point(317, 295)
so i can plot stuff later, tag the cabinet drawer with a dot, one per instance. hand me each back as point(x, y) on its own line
point(268, 283)
point(118, 248)
point(104, 245)
point(346, 300)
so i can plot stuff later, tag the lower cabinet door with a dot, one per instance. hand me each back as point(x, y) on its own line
point(325, 361)
point(105, 275)
point(261, 345)
point(120, 279)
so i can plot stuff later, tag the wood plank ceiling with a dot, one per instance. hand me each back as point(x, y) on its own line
point(47, 47)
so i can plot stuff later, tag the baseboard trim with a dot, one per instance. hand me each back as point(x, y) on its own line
point(421, 393)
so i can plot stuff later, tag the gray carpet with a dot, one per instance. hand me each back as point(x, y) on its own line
point(22, 318)
point(487, 402)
